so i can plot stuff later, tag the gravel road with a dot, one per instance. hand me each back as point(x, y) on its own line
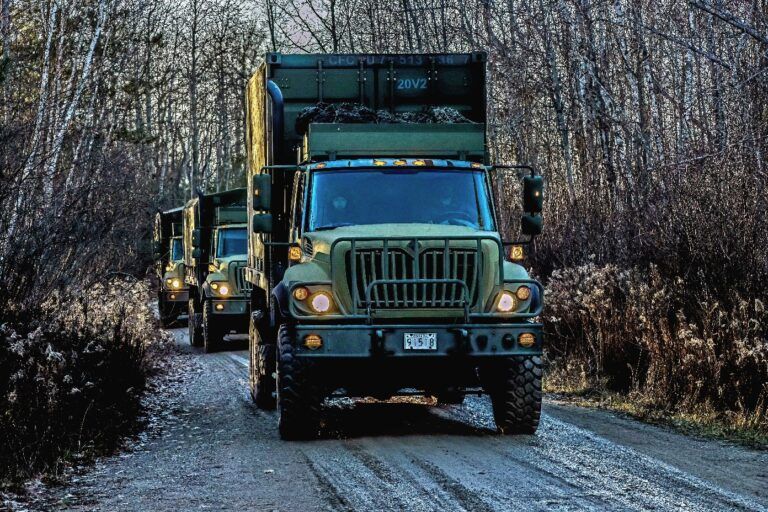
point(210, 449)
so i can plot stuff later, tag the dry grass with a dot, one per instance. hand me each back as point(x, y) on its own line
point(72, 374)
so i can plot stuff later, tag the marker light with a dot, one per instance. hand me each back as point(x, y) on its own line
point(506, 302)
point(523, 293)
point(526, 340)
point(321, 302)
point(300, 293)
point(419, 163)
point(215, 286)
point(294, 253)
point(476, 165)
point(320, 166)
point(400, 162)
point(219, 307)
point(516, 253)
point(313, 341)
point(379, 163)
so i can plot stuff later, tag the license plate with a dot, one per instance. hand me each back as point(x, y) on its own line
point(420, 341)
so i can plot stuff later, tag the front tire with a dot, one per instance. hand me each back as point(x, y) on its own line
point(262, 366)
point(514, 385)
point(195, 319)
point(299, 398)
point(213, 335)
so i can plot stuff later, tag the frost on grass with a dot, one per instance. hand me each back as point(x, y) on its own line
point(72, 374)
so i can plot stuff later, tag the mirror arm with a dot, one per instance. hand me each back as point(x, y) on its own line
point(521, 166)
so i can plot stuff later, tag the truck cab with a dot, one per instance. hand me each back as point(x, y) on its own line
point(169, 261)
point(376, 259)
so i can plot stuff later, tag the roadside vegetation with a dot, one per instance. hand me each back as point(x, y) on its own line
point(72, 373)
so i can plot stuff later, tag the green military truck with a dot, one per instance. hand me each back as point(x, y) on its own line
point(215, 240)
point(172, 293)
point(374, 248)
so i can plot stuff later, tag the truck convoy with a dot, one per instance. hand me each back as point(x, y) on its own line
point(214, 260)
point(169, 266)
point(374, 251)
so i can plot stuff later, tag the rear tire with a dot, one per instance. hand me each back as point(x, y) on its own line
point(213, 335)
point(299, 398)
point(514, 385)
point(262, 366)
point(193, 323)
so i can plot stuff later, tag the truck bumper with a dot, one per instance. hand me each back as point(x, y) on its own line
point(388, 341)
point(176, 296)
point(230, 307)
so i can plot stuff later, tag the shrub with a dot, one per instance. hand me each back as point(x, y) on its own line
point(72, 374)
point(633, 330)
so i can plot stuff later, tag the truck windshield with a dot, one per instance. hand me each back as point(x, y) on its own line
point(177, 250)
point(399, 196)
point(231, 242)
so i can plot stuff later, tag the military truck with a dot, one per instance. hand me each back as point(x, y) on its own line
point(374, 252)
point(215, 251)
point(172, 294)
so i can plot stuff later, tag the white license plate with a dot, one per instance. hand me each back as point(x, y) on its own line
point(420, 341)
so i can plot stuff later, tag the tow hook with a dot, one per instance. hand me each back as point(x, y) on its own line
point(463, 345)
point(377, 344)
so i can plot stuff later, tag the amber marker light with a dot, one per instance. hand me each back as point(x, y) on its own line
point(526, 339)
point(300, 293)
point(379, 163)
point(219, 307)
point(313, 341)
point(476, 165)
point(294, 253)
point(419, 163)
point(523, 293)
point(400, 162)
point(320, 166)
point(516, 253)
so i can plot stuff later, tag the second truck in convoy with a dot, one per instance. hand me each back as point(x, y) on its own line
point(215, 249)
point(374, 250)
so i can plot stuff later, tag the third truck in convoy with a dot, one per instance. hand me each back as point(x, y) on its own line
point(374, 251)
point(168, 251)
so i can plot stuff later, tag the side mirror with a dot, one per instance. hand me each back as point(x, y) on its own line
point(197, 253)
point(196, 236)
point(533, 194)
point(532, 225)
point(262, 192)
point(262, 223)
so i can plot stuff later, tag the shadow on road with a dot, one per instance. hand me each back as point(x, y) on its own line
point(366, 419)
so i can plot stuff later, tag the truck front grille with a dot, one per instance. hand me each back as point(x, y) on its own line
point(242, 285)
point(431, 264)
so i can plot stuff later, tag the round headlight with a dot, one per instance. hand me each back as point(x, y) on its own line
point(523, 293)
point(506, 303)
point(175, 283)
point(223, 289)
point(321, 302)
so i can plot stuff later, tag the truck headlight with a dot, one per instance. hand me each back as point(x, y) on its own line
point(506, 302)
point(220, 288)
point(175, 283)
point(523, 293)
point(321, 302)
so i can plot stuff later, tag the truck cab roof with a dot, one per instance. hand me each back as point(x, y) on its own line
point(427, 163)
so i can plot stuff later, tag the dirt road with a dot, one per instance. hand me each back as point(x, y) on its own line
point(216, 451)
